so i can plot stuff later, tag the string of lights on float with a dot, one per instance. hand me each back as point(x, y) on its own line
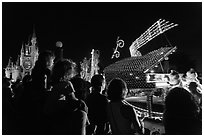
point(132, 70)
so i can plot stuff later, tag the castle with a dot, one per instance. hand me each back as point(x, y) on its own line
point(25, 61)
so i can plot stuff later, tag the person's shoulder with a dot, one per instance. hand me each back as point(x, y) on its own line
point(127, 107)
point(127, 110)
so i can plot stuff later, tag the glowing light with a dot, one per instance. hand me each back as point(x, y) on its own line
point(152, 71)
point(166, 58)
point(156, 29)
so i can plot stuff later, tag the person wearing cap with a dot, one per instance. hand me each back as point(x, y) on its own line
point(66, 115)
point(97, 103)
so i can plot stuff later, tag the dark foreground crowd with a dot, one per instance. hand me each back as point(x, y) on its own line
point(53, 101)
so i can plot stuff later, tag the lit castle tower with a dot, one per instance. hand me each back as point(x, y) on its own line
point(29, 55)
point(13, 71)
point(8, 69)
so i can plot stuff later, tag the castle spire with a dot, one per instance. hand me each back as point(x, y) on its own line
point(10, 62)
point(34, 38)
point(34, 35)
point(22, 48)
point(18, 61)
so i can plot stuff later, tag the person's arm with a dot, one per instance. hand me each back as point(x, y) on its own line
point(79, 122)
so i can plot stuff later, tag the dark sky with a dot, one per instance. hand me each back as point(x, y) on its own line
point(84, 26)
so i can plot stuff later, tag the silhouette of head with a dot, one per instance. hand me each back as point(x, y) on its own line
point(179, 101)
point(63, 70)
point(97, 81)
point(117, 89)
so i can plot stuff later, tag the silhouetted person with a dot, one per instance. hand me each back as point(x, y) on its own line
point(97, 104)
point(181, 115)
point(42, 71)
point(33, 99)
point(122, 116)
point(65, 113)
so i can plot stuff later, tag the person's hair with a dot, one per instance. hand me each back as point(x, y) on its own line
point(97, 81)
point(63, 70)
point(180, 101)
point(117, 89)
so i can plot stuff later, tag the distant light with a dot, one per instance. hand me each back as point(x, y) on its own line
point(131, 74)
point(166, 58)
point(152, 71)
point(59, 44)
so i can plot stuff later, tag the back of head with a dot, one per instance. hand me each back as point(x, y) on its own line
point(179, 101)
point(181, 113)
point(63, 70)
point(117, 89)
point(97, 81)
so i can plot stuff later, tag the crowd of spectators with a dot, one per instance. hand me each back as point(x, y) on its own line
point(55, 101)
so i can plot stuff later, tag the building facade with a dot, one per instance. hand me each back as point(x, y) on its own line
point(25, 61)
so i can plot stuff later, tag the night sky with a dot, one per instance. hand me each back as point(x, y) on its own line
point(82, 27)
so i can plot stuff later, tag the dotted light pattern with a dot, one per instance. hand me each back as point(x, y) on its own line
point(132, 70)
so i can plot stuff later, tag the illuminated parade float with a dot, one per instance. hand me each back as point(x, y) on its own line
point(138, 70)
